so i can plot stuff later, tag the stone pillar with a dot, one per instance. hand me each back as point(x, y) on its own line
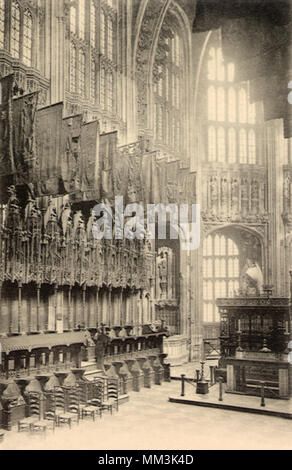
point(19, 321)
point(283, 383)
point(231, 385)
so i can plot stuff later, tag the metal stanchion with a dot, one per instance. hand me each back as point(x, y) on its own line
point(202, 384)
point(220, 380)
point(198, 375)
point(212, 374)
point(182, 385)
point(262, 393)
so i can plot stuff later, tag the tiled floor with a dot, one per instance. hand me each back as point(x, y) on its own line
point(149, 421)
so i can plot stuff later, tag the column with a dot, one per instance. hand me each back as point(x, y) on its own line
point(231, 386)
point(70, 317)
point(19, 322)
point(283, 383)
point(97, 320)
point(110, 306)
point(84, 321)
point(38, 327)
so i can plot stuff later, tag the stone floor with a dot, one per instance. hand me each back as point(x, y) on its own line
point(149, 421)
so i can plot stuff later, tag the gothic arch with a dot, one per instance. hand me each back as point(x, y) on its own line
point(245, 229)
point(149, 21)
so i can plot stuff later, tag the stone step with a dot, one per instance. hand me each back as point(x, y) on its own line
point(94, 374)
point(87, 366)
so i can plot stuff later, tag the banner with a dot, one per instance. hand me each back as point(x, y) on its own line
point(48, 142)
point(161, 167)
point(6, 126)
point(71, 153)
point(134, 190)
point(150, 178)
point(121, 174)
point(89, 164)
point(24, 145)
point(107, 152)
point(172, 181)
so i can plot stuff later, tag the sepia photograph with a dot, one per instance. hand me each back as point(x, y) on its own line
point(145, 228)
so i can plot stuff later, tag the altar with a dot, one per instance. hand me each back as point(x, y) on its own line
point(254, 338)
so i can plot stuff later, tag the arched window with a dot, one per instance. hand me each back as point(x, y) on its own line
point(221, 144)
point(220, 66)
point(242, 106)
point(212, 144)
point(231, 145)
point(212, 104)
point(93, 52)
point(27, 38)
point(221, 104)
point(242, 146)
point(220, 272)
point(2, 23)
point(228, 105)
point(15, 30)
point(212, 69)
point(251, 147)
point(168, 90)
point(232, 105)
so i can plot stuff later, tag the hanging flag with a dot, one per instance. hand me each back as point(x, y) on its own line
point(107, 151)
point(71, 153)
point(172, 181)
point(150, 177)
point(24, 147)
point(48, 143)
point(121, 173)
point(89, 164)
point(134, 190)
point(6, 126)
point(161, 165)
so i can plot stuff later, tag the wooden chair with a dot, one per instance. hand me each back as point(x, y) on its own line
point(71, 408)
point(33, 399)
point(93, 406)
point(72, 404)
point(112, 395)
point(50, 417)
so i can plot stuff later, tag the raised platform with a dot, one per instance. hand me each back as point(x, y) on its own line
point(243, 403)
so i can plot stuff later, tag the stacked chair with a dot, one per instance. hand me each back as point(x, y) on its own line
point(112, 395)
point(67, 399)
point(66, 405)
point(94, 404)
point(34, 412)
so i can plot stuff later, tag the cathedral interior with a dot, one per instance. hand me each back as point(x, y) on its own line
point(172, 102)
